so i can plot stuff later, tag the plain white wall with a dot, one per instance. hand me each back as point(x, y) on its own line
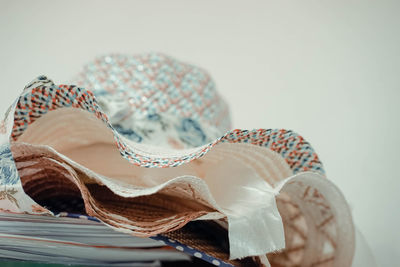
point(326, 69)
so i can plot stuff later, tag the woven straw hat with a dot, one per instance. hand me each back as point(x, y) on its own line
point(167, 116)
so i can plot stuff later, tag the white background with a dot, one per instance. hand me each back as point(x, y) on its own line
point(326, 69)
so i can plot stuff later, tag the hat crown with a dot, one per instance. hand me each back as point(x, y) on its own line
point(154, 83)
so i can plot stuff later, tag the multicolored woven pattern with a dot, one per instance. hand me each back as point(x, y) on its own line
point(156, 83)
point(42, 96)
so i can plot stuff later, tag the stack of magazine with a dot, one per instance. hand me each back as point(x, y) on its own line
point(80, 240)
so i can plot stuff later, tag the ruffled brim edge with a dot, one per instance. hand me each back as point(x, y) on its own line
point(42, 96)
